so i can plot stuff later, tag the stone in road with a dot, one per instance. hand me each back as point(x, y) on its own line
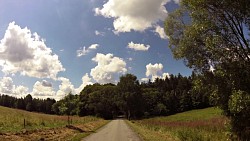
point(116, 130)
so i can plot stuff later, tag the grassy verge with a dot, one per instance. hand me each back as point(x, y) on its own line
point(196, 125)
point(12, 120)
point(150, 134)
point(92, 127)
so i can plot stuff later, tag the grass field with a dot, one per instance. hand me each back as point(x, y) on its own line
point(196, 125)
point(12, 123)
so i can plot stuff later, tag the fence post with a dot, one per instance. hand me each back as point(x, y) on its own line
point(68, 120)
point(24, 123)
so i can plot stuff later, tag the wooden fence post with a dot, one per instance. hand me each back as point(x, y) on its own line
point(24, 123)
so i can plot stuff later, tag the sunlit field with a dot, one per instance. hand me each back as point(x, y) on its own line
point(196, 125)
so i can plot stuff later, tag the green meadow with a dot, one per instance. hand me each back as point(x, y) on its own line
point(12, 120)
point(197, 125)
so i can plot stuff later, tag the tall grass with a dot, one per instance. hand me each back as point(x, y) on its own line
point(12, 120)
point(196, 125)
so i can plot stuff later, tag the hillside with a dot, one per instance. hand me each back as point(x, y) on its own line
point(202, 124)
point(43, 126)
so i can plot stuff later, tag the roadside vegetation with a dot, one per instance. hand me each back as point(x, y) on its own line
point(196, 125)
point(43, 126)
point(213, 38)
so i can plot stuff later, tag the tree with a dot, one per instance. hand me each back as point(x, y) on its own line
point(211, 35)
point(28, 100)
point(130, 94)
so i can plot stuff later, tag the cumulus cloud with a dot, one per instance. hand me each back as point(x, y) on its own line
point(7, 87)
point(137, 15)
point(155, 71)
point(138, 47)
point(43, 90)
point(160, 32)
point(86, 80)
point(26, 53)
point(64, 88)
point(46, 83)
point(21, 90)
point(99, 33)
point(84, 51)
point(108, 66)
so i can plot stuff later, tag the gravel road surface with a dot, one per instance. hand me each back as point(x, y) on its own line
point(116, 130)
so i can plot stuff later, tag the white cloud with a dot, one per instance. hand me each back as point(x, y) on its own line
point(136, 15)
point(93, 46)
point(43, 90)
point(24, 52)
point(21, 90)
point(155, 71)
point(164, 75)
point(7, 87)
point(6, 84)
point(140, 47)
point(99, 33)
point(107, 68)
point(130, 59)
point(160, 31)
point(64, 88)
point(86, 80)
point(84, 51)
point(144, 79)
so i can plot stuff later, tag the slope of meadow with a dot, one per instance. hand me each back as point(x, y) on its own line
point(44, 126)
point(196, 125)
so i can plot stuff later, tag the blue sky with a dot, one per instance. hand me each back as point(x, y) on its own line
point(51, 47)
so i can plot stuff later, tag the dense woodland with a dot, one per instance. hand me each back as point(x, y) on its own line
point(130, 98)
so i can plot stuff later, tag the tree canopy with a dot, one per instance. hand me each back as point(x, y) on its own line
point(213, 38)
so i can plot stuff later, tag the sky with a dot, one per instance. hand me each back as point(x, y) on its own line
point(49, 48)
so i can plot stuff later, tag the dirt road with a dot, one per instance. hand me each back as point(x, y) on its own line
point(116, 130)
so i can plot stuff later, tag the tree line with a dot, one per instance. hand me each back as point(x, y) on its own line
point(161, 97)
point(28, 103)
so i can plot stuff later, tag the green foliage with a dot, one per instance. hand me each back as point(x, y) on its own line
point(161, 97)
point(239, 102)
point(99, 100)
point(28, 103)
point(213, 34)
point(130, 96)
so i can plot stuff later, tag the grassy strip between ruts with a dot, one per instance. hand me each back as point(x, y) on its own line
point(196, 125)
point(44, 127)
